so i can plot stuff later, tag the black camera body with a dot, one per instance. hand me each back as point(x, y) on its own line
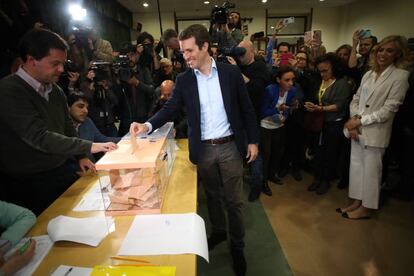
point(122, 68)
point(220, 15)
point(234, 52)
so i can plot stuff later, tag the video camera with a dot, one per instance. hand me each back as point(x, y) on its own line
point(220, 15)
point(102, 70)
point(234, 52)
point(122, 65)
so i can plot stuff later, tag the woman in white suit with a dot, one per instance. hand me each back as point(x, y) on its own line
point(372, 111)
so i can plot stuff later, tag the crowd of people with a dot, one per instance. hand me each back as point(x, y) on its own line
point(331, 114)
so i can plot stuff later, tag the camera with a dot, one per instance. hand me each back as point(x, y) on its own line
point(122, 68)
point(102, 70)
point(234, 52)
point(71, 66)
point(220, 15)
point(122, 65)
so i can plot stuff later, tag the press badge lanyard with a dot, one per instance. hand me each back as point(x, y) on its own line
point(323, 90)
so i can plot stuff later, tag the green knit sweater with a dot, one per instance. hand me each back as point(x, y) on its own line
point(36, 135)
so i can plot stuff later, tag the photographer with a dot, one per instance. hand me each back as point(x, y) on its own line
point(102, 100)
point(101, 49)
point(256, 77)
point(170, 39)
point(135, 89)
point(77, 53)
point(225, 29)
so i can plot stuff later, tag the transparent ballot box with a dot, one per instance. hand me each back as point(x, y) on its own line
point(134, 177)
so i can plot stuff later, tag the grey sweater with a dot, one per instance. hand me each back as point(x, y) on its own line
point(36, 135)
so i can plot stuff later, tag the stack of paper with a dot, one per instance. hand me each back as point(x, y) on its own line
point(90, 231)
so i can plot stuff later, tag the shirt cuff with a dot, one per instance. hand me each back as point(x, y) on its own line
point(149, 127)
point(366, 120)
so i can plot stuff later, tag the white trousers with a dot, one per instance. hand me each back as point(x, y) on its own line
point(365, 174)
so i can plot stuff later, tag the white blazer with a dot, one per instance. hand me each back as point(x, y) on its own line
point(377, 101)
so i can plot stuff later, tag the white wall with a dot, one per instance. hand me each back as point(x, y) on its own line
point(382, 17)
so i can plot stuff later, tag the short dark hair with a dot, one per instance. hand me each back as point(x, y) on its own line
point(75, 96)
point(199, 32)
point(338, 67)
point(168, 34)
point(282, 44)
point(38, 43)
point(281, 71)
point(142, 36)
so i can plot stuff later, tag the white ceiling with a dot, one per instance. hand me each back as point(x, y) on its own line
point(136, 6)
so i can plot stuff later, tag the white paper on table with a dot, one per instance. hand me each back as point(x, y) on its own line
point(90, 231)
point(95, 199)
point(43, 246)
point(166, 234)
point(62, 270)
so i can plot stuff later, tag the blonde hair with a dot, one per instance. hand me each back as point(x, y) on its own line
point(401, 45)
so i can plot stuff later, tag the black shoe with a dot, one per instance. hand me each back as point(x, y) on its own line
point(297, 175)
point(283, 172)
point(314, 186)
point(239, 262)
point(339, 210)
point(323, 188)
point(216, 238)
point(345, 215)
point(342, 184)
point(266, 189)
point(276, 179)
point(254, 194)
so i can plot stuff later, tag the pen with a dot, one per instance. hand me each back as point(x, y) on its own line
point(128, 259)
point(69, 271)
point(25, 246)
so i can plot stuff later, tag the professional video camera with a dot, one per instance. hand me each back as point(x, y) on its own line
point(220, 15)
point(122, 65)
point(234, 52)
point(102, 70)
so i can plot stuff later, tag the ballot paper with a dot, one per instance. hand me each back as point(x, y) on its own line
point(90, 231)
point(166, 234)
point(65, 270)
point(43, 246)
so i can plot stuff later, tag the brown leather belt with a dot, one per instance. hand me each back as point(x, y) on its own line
point(219, 141)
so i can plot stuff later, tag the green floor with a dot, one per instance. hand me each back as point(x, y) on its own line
point(263, 253)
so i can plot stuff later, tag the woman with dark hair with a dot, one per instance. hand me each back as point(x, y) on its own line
point(373, 108)
point(344, 52)
point(332, 99)
point(234, 26)
point(279, 98)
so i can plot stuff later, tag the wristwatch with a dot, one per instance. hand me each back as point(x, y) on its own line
point(358, 116)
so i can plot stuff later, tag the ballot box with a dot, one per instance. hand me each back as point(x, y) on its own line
point(133, 178)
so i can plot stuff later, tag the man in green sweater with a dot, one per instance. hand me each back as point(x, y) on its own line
point(37, 135)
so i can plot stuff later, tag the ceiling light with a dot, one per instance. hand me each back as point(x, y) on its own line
point(264, 1)
point(206, 2)
point(77, 12)
point(321, 0)
point(145, 4)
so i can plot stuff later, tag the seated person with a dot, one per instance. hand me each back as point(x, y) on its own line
point(15, 221)
point(78, 111)
point(180, 122)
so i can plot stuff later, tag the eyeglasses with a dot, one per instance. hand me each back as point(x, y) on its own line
point(300, 58)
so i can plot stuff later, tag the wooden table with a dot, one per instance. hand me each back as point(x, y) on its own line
point(181, 197)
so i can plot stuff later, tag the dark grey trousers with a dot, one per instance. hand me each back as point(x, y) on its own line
point(220, 168)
